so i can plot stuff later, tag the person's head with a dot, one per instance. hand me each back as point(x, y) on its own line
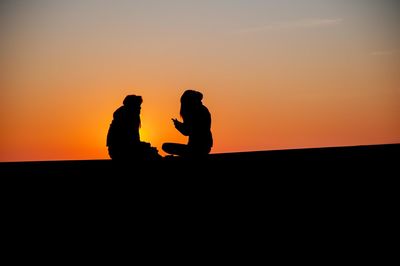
point(133, 101)
point(191, 97)
point(190, 101)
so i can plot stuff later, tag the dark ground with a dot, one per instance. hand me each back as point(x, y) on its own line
point(356, 160)
point(338, 199)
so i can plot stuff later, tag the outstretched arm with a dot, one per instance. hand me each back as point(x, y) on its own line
point(181, 127)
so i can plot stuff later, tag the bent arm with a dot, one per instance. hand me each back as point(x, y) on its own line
point(182, 127)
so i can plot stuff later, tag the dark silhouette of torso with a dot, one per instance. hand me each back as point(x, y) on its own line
point(124, 128)
point(197, 126)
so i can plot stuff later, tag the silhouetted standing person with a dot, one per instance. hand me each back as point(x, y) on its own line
point(196, 125)
point(123, 139)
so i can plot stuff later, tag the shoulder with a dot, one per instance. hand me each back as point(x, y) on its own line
point(119, 112)
point(205, 110)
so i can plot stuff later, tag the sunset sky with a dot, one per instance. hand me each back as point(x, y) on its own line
point(275, 74)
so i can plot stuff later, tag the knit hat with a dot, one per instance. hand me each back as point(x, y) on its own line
point(191, 96)
point(133, 100)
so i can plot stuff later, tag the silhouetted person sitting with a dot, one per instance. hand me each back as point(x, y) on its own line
point(196, 124)
point(123, 139)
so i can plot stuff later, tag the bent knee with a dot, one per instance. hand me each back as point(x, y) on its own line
point(165, 146)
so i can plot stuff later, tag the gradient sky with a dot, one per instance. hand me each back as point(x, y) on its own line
point(275, 74)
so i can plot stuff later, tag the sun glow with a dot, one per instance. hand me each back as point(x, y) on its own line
point(273, 75)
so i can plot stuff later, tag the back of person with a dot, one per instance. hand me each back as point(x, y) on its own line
point(200, 138)
point(124, 128)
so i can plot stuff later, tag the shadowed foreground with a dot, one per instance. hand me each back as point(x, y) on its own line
point(332, 192)
point(379, 159)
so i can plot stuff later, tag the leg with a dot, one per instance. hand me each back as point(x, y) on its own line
point(176, 149)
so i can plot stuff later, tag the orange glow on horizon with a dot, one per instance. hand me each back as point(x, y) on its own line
point(273, 76)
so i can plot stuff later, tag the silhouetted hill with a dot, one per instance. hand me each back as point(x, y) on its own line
point(293, 189)
point(323, 161)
